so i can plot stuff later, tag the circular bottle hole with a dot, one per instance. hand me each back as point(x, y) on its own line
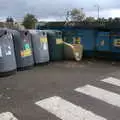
point(5, 32)
point(43, 33)
point(26, 33)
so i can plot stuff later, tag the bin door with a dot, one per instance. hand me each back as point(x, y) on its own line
point(103, 41)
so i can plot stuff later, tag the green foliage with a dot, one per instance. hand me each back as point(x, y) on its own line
point(9, 20)
point(90, 19)
point(29, 21)
point(77, 15)
point(2, 24)
point(18, 26)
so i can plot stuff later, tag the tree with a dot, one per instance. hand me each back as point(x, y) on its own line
point(18, 26)
point(110, 20)
point(101, 21)
point(29, 21)
point(90, 19)
point(77, 15)
point(116, 20)
point(9, 22)
point(2, 24)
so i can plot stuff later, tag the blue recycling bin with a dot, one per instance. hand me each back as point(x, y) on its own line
point(103, 44)
point(88, 41)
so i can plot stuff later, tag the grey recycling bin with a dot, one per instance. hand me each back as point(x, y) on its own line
point(23, 49)
point(7, 55)
point(40, 46)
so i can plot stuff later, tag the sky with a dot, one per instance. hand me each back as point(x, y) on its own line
point(56, 9)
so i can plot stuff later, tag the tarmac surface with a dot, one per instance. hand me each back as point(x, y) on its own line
point(20, 92)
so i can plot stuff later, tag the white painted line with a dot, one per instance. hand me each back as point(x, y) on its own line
point(7, 116)
point(112, 81)
point(66, 110)
point(101, 94)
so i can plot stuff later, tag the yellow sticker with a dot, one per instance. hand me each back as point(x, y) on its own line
point(76, 40)
point(116, 42)
point(26, 53)
point(22, 53)
point(43, 39)
point(59, 41)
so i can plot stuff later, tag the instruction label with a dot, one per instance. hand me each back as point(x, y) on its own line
point(59, 41)
point(0, 51)
point(116, 42)
point(102, 43)
point(44, 43)
point(26, 53)
point(76, 40)
point(27, 46)
point(43, 39)
point(8, 51)
point(45, 46)
point(27, 50)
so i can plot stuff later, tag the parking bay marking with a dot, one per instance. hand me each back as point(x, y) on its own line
point(112, 81)
point(101, 94)
point(66, 110)
point(7, 116)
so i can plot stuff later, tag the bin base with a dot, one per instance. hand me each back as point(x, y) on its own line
point(103, 54)
point(9, 73)
point(53, 60)
point(88, 53)
point(24, 68)
point(115, 56)
point(42, 64)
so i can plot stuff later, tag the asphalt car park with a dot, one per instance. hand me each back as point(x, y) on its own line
point(28, 95)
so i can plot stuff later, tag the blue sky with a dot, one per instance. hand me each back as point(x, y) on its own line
point(56, 9)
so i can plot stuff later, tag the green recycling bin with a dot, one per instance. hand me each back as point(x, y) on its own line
point(56, 46)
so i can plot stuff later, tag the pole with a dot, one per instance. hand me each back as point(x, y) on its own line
point(67, 17)
point(98, 10)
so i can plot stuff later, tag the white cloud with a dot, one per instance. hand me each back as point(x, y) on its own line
point(46, 9)
point(106, 13)
point(115, 13)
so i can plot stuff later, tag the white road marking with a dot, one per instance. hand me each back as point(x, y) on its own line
point(66, 110)
point(7, 116)
point(101, 94)
point(112, 81)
